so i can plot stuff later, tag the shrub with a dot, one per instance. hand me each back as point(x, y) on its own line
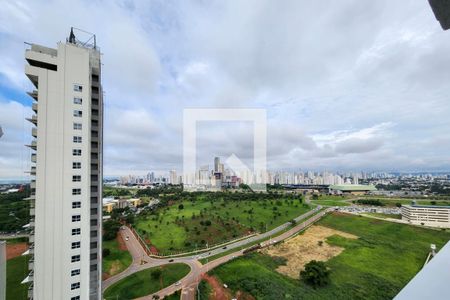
point(315, 274)
point(156, 274)
point(106, 252)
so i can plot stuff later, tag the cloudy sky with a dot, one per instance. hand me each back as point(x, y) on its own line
point(347, 85)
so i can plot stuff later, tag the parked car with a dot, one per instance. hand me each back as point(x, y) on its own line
point(171, 260)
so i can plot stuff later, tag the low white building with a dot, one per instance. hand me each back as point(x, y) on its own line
point(427, 215)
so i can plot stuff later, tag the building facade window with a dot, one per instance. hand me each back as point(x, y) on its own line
point(75, 272)
point(76, 231)
point(76, 245)
point(76, 178)
point(76, 218)
point(77, 88)
point(77, 139)
point(76, 204)
point(75, 286)
point(75, 298)
point(76, 152)
point(77, 126)
point(77, 113)
point(76, 191)
point(75, 258)
point(77, 100)
point(76, 165)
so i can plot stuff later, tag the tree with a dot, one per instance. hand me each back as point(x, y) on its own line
point(106, 252)
point(315, 197)
point(181, 206)
point(110, 229)
point(156, 274)
point(316, 274)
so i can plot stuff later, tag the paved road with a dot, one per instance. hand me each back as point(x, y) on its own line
point(189, 283)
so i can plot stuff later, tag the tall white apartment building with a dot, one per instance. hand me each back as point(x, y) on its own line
point(67, 190)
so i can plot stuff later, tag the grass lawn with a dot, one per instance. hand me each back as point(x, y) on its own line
point(117, 261)
point(385, 216)
point(377, 265)
point(334, 197)
point(174, 229)
point(141, 283)
point(330, 202)
point(16, 271)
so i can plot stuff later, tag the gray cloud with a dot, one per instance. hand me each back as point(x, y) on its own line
point(348, 84)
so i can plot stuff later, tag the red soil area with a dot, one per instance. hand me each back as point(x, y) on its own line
point(15, 250)
point(218, 291)
point(153, 249)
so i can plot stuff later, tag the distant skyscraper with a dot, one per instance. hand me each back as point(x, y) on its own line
point(173, 177)
point(216, 164)
point(67, 191)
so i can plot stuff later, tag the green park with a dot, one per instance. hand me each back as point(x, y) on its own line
point(193, 220)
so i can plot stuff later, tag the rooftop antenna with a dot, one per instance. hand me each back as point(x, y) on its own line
point(72, 36)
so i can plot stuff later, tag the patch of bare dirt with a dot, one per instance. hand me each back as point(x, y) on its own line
point(14, 250)
point(218, 291)
point(306, 247)
point(240, 295)
point(115, 267)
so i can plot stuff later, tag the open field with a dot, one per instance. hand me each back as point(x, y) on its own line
point(118, 259)
point(334, 197)
point(16, 271)
point(384, 216)
point(330, 202)
point(300, 250)
point(376, 265)
point(187, 225)
point(143, 283)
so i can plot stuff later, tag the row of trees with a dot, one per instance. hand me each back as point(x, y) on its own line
point(119, 216)
point(374, 202)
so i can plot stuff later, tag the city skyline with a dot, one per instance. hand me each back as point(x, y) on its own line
point(334, 101)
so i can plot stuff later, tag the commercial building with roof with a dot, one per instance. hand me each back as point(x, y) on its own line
point(355, 189)
point(427, 215)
